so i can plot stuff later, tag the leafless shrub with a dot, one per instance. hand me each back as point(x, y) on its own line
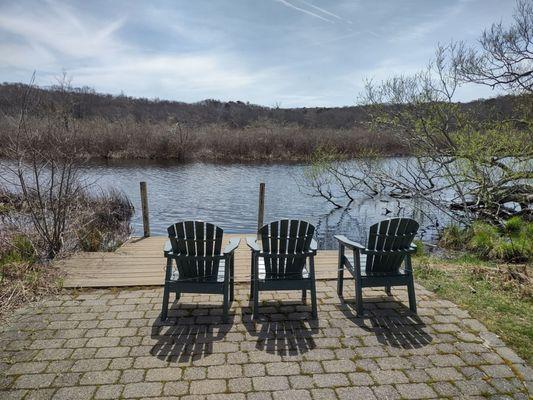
point(104, 223)
point(43, 168)
point(255, 134)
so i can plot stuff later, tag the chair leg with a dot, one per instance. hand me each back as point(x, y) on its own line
point(314, 312)
point(340, 272)
point(255, 308)
point(232, 281)
point(359, 298)
point(411, 293)
point(225, 311)
point(388, 290)
point(304, 295)
point(164, 310)
point(252, 278)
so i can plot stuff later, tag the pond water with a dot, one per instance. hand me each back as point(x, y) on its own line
point(227, 195)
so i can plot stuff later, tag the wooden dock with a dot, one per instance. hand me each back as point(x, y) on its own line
point(140, 262)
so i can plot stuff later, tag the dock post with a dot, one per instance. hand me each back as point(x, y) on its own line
point(261, 211)
point(144, 204)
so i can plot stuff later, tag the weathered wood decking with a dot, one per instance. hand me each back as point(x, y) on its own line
point(140, 262)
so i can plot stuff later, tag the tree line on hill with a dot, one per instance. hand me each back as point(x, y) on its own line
point(108, 126)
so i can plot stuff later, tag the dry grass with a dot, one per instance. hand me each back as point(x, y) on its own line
point(100, 223)
point(261, 141)
point(23, 282)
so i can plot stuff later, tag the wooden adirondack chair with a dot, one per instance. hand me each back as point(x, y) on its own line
point(390, 243)
point(285, 260)
point(201, 267)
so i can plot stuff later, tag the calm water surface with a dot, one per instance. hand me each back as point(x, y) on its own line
point(227, 195)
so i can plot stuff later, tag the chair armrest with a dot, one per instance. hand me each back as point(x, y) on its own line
point(232, 245)
point(314, 245)
point(412, 248)
point(251, 242)
point(344, 241)
point(167, 249)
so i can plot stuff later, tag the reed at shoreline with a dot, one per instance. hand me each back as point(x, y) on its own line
point(262, 141)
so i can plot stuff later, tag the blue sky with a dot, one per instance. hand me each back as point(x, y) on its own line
point(291, 53)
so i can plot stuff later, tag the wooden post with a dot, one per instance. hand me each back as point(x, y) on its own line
point(261, 212)
point(144, 204)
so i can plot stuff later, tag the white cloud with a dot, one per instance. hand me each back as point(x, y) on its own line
point(196, 72)
point(60, 30)
point(229, 51)
point(19, 56)
point(429, 23)
point(93, 54)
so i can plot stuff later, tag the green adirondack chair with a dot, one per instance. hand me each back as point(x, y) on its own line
point(285, 260)
point(390, 244)
point(201, 266)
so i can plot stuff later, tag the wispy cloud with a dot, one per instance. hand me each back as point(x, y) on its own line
point(106, 61)
point(303, 10)
point(438, 19)
point(59, 29)
point(335, 39)
point(187, 72)
point(297, 52)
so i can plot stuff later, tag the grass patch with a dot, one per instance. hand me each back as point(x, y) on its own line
point(498, 296)
point(509, 242)
point(22, 282)
point(23, 278)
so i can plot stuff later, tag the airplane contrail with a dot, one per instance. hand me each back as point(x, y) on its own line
point(288, 4)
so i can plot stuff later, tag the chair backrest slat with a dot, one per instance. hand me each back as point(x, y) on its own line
point(209, 237)
point(200, 248)
point(388, 238)
point(286, 237)
point(283, 238)
point(193, 241)
point(292, 244)
point(274, 244)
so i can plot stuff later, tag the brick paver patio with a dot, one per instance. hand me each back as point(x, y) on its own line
point(109, 344)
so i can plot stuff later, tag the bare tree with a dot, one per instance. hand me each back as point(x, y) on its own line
point(505, 56)
point(467, 165)
point(43, 165)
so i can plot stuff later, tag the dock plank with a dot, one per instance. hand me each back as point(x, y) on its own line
point(140, 262)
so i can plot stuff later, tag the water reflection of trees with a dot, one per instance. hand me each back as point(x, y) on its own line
point(354, 221)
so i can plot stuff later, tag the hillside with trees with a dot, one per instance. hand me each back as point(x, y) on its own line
point(107, 126)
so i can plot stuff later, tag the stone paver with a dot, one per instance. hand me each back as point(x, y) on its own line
point(109, 344)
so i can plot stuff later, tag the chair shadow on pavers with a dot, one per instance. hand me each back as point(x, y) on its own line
point(283, 333)
point(395, 327)
point(189, 334)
